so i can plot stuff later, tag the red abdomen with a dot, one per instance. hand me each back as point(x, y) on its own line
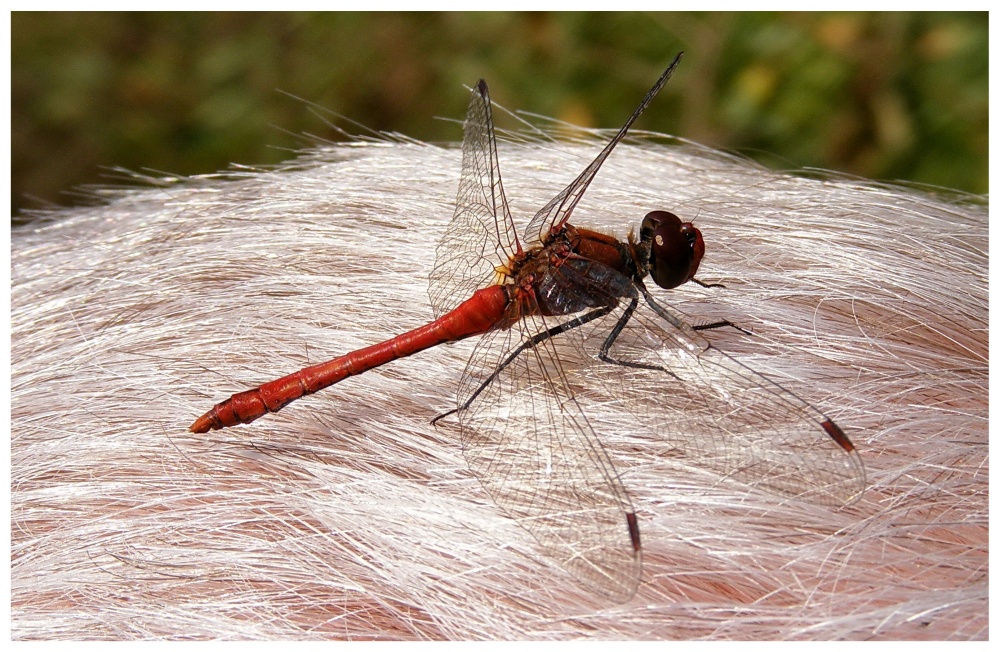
point(476, 315)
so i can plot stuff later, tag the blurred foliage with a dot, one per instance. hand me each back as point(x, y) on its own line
point(882, 95)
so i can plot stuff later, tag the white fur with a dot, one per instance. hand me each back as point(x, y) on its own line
point(348, 515)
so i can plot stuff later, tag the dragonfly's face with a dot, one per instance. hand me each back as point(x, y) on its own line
point(675, 248)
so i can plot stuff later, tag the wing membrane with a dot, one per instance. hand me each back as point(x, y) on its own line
point(529, 442)
point(717, 412)
point(481, 235)
point(557, 211)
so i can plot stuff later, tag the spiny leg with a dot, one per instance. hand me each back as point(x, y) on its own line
point(659, 310)
point(613, 336)
point(722, 323)
point(530, 343)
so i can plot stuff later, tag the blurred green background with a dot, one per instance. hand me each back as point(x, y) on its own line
point(882, 95)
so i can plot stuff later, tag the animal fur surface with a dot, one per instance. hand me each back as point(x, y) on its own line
point(348, 515)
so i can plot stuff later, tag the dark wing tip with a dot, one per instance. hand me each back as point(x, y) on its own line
point(837, 435)
point(481, 87)
point(633, 531)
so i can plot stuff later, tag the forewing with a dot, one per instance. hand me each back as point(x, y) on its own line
point(558, 210)
point(480, 236)
point(717, 412)
point(527, 439)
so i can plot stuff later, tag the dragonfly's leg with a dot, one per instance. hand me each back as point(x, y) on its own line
point(722, 323)
point(659, 310)
point(707, 285)
point(613, 336)
point(534, 341)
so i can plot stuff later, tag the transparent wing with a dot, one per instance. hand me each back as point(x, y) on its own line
point(723, 415)
point(717, 412)
point(481, 235)
point(529, 442)
point(556, 212)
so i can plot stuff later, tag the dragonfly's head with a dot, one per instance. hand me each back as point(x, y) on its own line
point(675, 248)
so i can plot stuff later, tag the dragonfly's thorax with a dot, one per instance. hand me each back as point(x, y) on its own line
point(601, 248)
point(573, 270)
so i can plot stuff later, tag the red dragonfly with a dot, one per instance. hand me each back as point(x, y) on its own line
point(566, 320)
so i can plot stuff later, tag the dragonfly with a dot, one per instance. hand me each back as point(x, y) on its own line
point(567, 323)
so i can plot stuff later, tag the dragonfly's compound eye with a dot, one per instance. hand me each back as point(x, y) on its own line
point(675, 248)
